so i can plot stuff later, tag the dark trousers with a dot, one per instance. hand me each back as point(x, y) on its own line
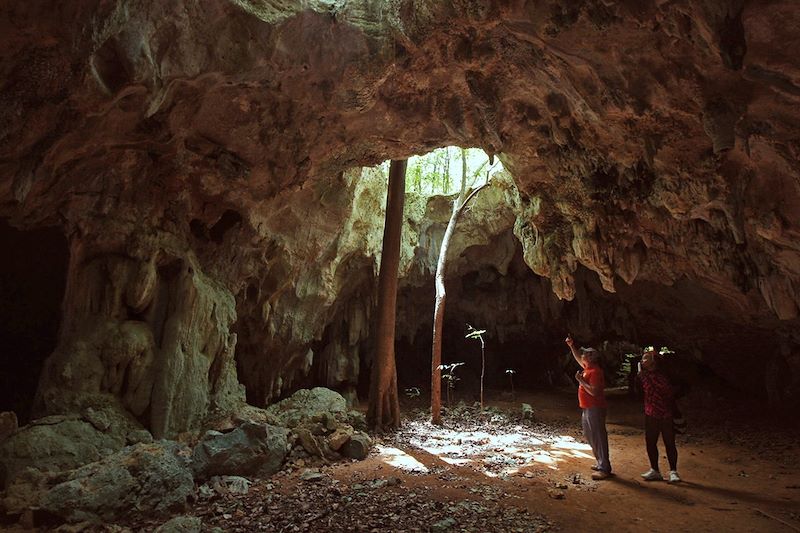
point(653, 427)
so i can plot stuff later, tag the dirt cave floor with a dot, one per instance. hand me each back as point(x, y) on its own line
point(498, 470)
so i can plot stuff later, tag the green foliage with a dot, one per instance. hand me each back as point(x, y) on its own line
point(439, 171)
point(510, 373)
point(412, 392)
point(625, 368)
point(449, 374)
point(473, 333)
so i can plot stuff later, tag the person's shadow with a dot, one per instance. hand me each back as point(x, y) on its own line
point(681, 496)
point(642, 488)
point(733, 494)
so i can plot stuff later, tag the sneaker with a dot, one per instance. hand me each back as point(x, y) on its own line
point(674, 477)
point(600, 474)
point(595, 467)
point(652, 475)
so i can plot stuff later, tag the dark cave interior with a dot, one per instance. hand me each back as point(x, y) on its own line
point(32, 281)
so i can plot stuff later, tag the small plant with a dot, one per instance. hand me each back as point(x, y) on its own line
point(412, 392)
point(449, 375)
point(473, 333)
point(510, 373)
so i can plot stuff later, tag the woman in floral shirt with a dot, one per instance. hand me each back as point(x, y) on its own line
point(659, 400)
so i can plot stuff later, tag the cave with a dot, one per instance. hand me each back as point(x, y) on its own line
point(194, 203)
point(33, 277)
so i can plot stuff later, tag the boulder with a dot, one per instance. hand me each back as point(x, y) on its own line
point(181, 524)
point(138, 481)
point(316, 404)
point(24, 492)
point(53, 444)
point(357, 447)
point(312, 474)
point(358, 420)
point(98, 418)
point(338, 438)
point(249, 450)
point(110, 417)
point(310, 443)
point(139, 436)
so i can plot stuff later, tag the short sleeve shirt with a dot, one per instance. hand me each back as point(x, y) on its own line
point(658, 394)
point(593, 375)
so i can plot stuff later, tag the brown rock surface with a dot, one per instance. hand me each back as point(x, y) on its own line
point(198, 156)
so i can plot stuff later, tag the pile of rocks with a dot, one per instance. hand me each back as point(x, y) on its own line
point(93, 467)
point(321, 426)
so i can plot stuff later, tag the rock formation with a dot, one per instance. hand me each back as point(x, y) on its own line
point(72, 469)
point(202, 160)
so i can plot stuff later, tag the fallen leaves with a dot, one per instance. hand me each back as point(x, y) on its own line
point(382, 504)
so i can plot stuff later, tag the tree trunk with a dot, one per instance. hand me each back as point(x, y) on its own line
point(483, 368)
point(441, 296)
point(438, 319)
point(446, 185)
point(384, 407)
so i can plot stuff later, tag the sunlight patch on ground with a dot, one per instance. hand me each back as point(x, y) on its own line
point(450, 449)
point(518, 439)
point(502, 453)
point(565, 442)
point(544, 458)
point(400, 459)
point(455, 461)
point(571, 453)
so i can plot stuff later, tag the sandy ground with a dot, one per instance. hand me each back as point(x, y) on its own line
point(737, 476)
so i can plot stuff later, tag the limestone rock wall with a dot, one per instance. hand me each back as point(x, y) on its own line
point(143, 323)
point(312, 287)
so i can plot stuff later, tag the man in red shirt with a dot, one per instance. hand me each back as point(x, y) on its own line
point(592, 399)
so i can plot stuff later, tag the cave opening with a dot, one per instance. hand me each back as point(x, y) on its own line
point(32, 283)
point(434, 183)
point(488, 284)
point(440, 172)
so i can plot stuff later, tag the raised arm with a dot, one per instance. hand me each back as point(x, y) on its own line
point(571, 343)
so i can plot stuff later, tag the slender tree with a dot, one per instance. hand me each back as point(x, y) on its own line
point(461, 201)
point(384, 407)
point(473, 333)
point(436, 174)
point(446, 179)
